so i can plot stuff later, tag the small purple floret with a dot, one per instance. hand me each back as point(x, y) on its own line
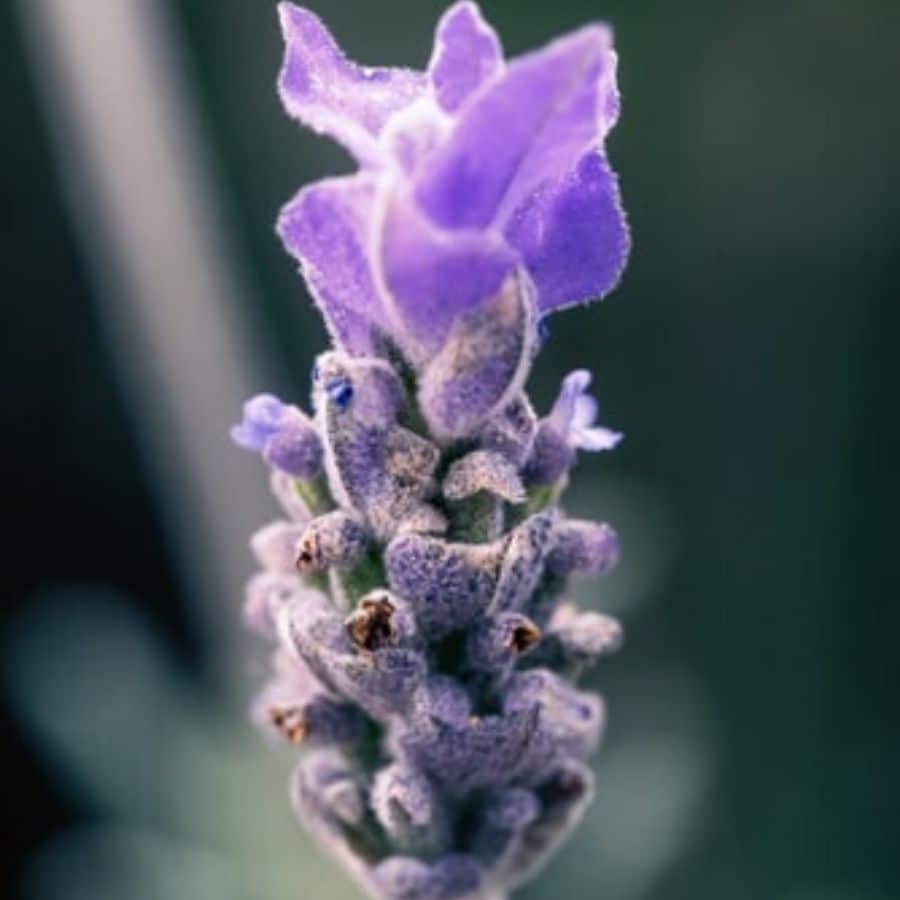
point(282, 434)
point(569, 427)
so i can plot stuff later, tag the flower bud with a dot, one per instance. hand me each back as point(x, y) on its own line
point(575, 641)
point(284, 436)
point(376, 467)
point(523, 562)
point(408, 808)
point(583, 546)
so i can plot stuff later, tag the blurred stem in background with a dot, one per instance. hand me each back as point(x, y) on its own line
point(140, 185)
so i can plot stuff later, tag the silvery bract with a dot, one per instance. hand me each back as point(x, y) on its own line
point(425, 660)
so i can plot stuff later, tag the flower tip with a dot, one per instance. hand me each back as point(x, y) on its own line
point(595, 37)
point(290, 15)
point(295, 216)
point(578, 381)
point(465, 15)
point(241, 437)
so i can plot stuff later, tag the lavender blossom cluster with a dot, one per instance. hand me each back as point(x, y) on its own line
point(425, 657)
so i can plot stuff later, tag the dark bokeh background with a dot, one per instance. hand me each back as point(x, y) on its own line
point(749, 356)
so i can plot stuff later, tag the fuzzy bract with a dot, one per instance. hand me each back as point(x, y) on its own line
point(425, 660)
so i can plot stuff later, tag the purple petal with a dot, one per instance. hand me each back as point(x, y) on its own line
point(483, 364)
point(585, 435)
point(586, 410)
point(414, 133)
point(562, 416)
point(568, 428)
point(597, 438)
point(467, 53)
point(537, 121)
point(295, 449)
point(434, 276)
point(286, 437)
point(324, 90)
point(572, 234)
point(326, 228)
point(264, 414)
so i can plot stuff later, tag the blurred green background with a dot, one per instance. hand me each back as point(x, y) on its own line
point(754, 739)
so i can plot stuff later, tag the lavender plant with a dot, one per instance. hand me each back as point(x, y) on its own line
point(425, 657)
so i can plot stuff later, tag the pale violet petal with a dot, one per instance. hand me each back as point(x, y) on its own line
point(332, 95)
point(467, 53)
point(585, 413)
point(572, 234)
point(532, 124)
point(563, 413)
point(326, 227)
point(433, 276)
point(596, 438)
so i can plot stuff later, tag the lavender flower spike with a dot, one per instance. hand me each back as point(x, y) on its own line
point(425, 662)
